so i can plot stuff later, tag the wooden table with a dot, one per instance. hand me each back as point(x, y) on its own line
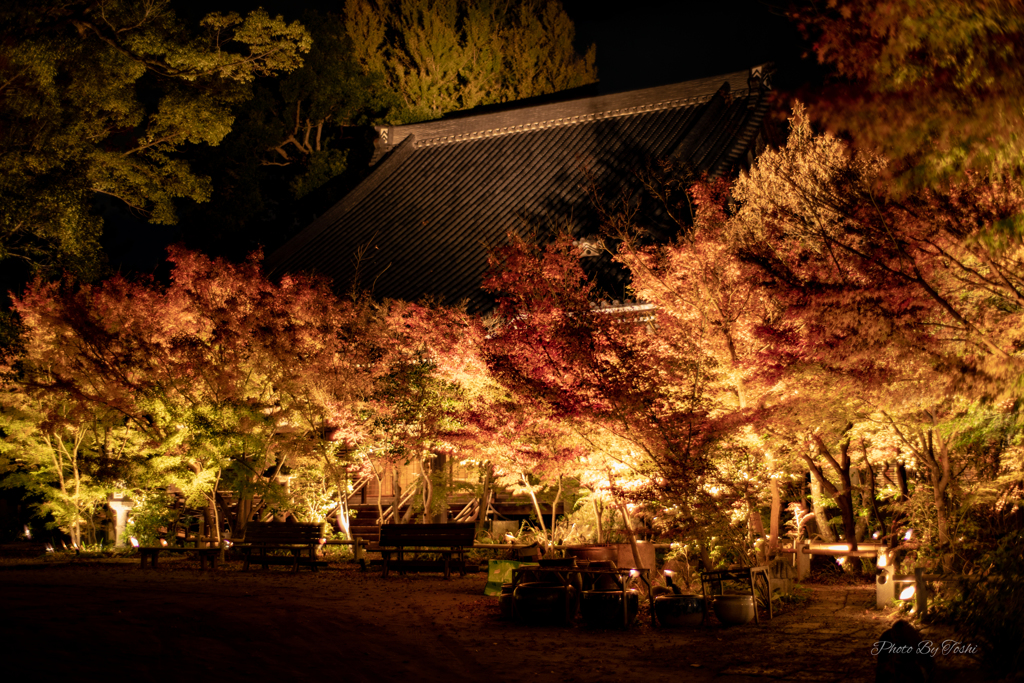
point(564, 575)
point(746, 575)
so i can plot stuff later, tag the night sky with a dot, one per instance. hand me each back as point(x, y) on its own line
point(643, 43)
point(655, 42)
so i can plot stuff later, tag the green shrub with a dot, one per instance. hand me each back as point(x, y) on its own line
point(152, 512)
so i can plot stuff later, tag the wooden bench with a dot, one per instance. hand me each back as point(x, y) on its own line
point(441, 539)
point(207, 556)
point(295, 538)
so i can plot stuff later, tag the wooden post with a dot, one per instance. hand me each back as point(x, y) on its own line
point(920, 594)
point(803, 561)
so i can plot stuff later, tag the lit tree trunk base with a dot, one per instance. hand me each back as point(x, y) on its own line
point(485, 497)
point(628, 526)
point(773, 523)
point(536, 506)
point(554, 506)
point(820, 515)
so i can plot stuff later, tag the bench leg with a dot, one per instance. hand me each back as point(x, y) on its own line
point(208, 558)
point(152, 555)
point(385, 556)
point(248, 556)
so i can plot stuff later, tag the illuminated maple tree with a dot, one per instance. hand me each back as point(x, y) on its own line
point(938, 85)
point(611, 375)
point(704, 294)
point(897, 305)
point(220, 377)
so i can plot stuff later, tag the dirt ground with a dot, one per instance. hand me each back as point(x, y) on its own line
point(99, 619)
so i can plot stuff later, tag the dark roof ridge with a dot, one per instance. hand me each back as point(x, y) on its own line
point(540, 117)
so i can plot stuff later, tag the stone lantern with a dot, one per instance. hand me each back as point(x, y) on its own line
point(885, 581)
point(120, 504)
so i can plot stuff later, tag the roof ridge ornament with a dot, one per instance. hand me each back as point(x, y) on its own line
point(589, 245)
point(760, 78)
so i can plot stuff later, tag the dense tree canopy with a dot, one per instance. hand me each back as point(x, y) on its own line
point(101, 97)
point(446, 55)
point(938, 85)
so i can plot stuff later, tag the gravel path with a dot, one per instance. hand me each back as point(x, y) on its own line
point(91, 620)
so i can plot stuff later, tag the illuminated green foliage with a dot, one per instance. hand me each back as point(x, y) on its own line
point(206, 383)
point(447, 55)
point(100, 97)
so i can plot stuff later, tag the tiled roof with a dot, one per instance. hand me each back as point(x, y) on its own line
point(444, 192)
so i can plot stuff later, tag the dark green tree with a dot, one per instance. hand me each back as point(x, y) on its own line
point(447, 55)
point(374, 63)
point(102, 97)
point(306, 121)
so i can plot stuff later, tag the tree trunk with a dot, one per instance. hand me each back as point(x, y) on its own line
point(937, 459)
point(554, 505)
point(942, 520)
point(397, 492)
point(536, 505)
point(843, 496)
point(344, 518)
point(439, 489)
point(773, 523)
point(428, 492)
point(485, 498)
point(845, 501)
point(820, 514)
point(225, 512)
point(873, 493)
point(407, 517)
point(598, 514)
point(632, 537)
point(860, 521)
point(755, 527)
point(900, 472)
point(380, 490)
point(242, 514)
point(939, 470)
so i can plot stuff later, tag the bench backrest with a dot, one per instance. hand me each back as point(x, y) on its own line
point(279, 533)
point(428, 535)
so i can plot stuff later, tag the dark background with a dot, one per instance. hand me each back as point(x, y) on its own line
point(640, 43)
